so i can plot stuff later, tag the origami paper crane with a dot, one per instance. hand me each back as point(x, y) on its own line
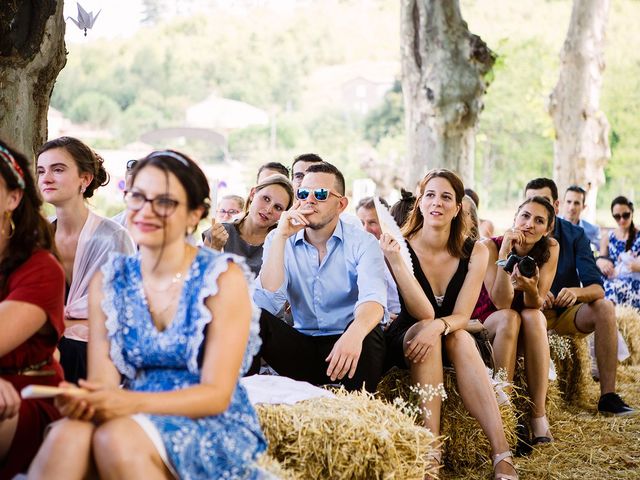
point(85, 20)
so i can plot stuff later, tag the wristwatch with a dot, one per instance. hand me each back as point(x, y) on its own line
point(447, 327)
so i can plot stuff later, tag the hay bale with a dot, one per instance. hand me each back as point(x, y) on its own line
point(271, 469)
point(353, 436)
point(522, 402)
point(628, 319)
point(465, 444)
point(573, 368)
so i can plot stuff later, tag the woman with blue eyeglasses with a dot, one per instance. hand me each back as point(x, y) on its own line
point(245, 236)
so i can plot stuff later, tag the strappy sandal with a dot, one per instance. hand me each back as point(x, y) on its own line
point(435, 458)
point(540, 424)
point(504, 457)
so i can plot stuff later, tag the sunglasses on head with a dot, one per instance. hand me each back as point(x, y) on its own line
point(131, 165)
point(320, 194)
point(618, 216)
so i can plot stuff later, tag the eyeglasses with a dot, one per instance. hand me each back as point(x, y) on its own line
point(131, 164)
point(231, 211)
point(625, 215)
point(320, 194)
point(161, 206)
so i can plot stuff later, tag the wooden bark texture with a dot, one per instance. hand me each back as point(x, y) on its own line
point(32, 53)
point(581, 145)
point(444, 69)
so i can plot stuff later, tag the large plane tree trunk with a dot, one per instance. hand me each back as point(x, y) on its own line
point(32, 53)
point(581, 147)
point(443, 81)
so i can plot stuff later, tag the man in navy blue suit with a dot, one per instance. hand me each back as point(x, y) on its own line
point(575, 305)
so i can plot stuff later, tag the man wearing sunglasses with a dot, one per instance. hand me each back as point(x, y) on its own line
point(332, 275)
point(574, 205)
point(575, 305)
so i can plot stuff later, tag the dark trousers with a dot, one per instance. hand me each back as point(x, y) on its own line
point(73, 358)
point(302, 357)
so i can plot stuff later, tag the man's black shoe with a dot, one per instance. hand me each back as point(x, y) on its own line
point(612, 404)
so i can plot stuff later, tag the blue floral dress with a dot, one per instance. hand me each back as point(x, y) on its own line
point(624, 289)
point(218, 446)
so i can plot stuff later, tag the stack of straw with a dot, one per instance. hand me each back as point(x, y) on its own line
point(573, 368)
point(628, 319)
point(353, 436)
point(464, 445)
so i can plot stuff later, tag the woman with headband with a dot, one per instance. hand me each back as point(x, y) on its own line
point(177, 323)
point(69, 172)
point(31, 305)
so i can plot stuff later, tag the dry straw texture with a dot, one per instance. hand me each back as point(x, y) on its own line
point(587, 445)
point(629, 324)
point(465, 445)
point(574, 371)
point(353, 436)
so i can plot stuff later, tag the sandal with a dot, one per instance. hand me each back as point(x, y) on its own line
point(504, 457)
point(540, 431)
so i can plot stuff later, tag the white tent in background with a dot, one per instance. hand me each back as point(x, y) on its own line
point(224, 114)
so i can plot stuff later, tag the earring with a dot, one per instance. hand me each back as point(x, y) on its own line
point(12, 225)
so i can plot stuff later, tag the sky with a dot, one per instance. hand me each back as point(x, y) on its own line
point(117, 18)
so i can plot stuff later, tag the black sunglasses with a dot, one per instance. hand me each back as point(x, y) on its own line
point(131, 164)
point(618, 216)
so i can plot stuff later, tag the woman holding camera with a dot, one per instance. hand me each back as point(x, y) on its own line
point(522, 264)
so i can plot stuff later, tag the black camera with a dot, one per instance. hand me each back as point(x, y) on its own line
point(526, 265)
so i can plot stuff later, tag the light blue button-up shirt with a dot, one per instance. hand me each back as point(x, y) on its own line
point(324, 296)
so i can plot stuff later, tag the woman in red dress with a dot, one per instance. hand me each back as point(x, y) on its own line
point(31, 313)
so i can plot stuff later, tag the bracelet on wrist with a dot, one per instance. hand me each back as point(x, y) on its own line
point(447, 327)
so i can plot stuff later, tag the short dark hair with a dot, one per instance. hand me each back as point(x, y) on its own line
point(367, 203)
point(306, 157)
point(277, 166)
point(542, 182)
point(577, 189)
point(326, 167)
point(473, 195)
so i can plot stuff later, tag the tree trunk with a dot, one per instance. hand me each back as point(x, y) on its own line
point(581, 147)
point(443, 81)
point(32, 53)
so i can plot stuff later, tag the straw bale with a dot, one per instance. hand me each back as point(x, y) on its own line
point(587, 446)
point(464, 445)
point(574, 372)
point(353, 436)
point(271, 469)
point(628, 319)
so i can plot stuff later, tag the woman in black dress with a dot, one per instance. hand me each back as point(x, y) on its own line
point(437, 304)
